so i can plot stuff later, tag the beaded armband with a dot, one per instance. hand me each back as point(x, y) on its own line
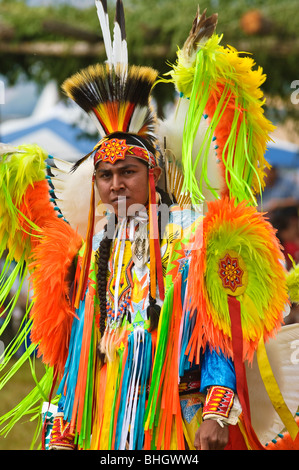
point(61, 437)
point(219, 402)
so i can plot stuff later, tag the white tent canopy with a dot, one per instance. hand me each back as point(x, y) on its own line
point(60, 129)
point(283, 154)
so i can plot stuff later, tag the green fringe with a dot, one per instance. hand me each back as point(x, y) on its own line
point(153, 406)
point(31, 406)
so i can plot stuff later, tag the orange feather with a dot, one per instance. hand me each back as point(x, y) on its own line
point(53, 250)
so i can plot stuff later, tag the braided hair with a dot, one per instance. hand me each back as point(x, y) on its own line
point(102, 260)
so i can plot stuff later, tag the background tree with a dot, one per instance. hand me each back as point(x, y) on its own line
point(52, 42)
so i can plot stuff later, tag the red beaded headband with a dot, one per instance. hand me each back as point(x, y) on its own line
point(112, 150)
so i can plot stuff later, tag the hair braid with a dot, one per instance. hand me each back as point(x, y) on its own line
point(102, 259)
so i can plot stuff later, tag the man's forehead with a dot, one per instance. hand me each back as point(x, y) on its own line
point(129, 161)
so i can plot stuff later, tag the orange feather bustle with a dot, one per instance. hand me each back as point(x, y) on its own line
point(252, 236)
point(36, 207)
point(54, 247)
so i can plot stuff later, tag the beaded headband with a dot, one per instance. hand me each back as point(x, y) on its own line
point(113, 150)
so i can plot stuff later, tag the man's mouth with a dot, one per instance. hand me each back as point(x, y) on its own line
point(119, 199)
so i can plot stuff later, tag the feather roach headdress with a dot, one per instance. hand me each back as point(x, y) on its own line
point(116, 96)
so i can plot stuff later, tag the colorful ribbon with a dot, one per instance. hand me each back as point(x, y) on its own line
point(242, 389)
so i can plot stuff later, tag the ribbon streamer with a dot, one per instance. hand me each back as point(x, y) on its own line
point(83, 280)
point(155, 253)
point(242, 389)
point(274, 392)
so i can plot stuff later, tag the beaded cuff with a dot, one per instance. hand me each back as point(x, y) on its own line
point(61, 437)
point(219, 402)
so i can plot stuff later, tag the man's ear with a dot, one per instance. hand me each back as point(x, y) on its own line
point(157, 173)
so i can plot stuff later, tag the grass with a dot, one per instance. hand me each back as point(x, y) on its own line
point(20, 437)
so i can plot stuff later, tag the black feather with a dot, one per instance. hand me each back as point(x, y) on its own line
point(79, 162)
point(99, 84)
point(104, 3)
point(120, 18)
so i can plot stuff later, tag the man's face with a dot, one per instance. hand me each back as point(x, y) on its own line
point(123, 183)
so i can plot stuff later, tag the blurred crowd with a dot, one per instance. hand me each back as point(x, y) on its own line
point(281, 202)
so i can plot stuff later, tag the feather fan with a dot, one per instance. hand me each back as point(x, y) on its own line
point(72, 191)
point(223, 87)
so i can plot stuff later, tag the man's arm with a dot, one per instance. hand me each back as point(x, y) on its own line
point(218, 381)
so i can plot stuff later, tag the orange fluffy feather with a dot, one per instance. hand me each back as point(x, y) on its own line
point(53, 250)
point(253, 235)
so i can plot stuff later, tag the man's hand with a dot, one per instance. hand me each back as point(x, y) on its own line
point(211, 436)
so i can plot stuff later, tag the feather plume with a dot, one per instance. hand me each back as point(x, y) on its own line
point(223, 87)
point(171, 132)
point(67, 184)
point(102, 12)
point(116, 50)
point(202, 29)
point(117, 102)
point(120, 52)
point(116, 96)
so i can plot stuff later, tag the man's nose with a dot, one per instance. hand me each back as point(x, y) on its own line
point(117, 183)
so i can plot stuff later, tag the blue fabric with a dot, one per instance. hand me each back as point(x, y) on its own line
point(184, 364)
point(216, 369)
point(141, 361)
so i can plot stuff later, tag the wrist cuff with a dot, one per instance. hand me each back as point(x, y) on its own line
point(219, 402)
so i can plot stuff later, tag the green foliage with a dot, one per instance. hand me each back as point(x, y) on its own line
point(155, 29)
point(28, 22)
